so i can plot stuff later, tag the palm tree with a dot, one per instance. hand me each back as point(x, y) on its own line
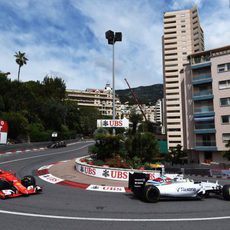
point(20, 60)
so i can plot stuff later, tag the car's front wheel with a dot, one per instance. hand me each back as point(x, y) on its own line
point(28, 181)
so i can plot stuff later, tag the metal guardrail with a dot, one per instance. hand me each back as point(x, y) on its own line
point(13, 147)
point(23, 146)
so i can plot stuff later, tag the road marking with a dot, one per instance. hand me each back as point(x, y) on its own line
point(44, 155)
point(105, 188)
point(50, 178)
point(112, 219)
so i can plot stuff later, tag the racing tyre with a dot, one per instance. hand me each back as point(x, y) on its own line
point(151, 194)
point(4, 185)
point(28, 181)
point(226, 192)
point(201, 196)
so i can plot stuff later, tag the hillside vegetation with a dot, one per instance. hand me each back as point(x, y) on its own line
point(145, 94)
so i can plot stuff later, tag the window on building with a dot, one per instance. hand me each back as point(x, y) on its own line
point(224, 84)
point(174, 130)
point(170, 27)
point(170, 32)
point(226, 137)
point(171, 65)
point(225, 101)
point(225, 119)
point(169, 16)
point(175, 142)
point(223, 67)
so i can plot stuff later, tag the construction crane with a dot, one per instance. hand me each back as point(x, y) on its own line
point(136, 99)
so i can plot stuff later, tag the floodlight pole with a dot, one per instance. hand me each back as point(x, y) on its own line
point(113, 85)
point(112, 38)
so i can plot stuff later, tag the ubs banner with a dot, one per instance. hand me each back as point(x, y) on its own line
point(3, 132)
point(117, 123)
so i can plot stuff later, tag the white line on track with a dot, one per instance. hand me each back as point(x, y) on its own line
point(112, 219)
point(44, 155)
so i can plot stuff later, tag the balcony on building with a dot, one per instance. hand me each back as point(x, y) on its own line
point(204, 125)
point(205, 142)
point(201, 65)
point(204, 111)
point(202, 79)
point(202, 95)
point(200, 60)
point(205, 147)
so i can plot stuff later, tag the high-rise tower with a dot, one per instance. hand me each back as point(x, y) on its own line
point(183, 35)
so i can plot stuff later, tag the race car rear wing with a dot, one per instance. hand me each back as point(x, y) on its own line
point(137, 182)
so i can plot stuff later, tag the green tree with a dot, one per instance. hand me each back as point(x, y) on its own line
point(52, 114)
point(54, 87)
point(148, 126)
point(107, 146)
point(135, 118)
point(88, 120)
point(176, 154)
point(2, 104)
point(20, 60)
point(72, 119)
point(18, 125)
point(143, 146)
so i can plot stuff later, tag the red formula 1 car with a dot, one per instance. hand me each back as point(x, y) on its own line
point(11, 186)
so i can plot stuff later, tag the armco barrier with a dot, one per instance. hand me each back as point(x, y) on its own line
point(220, 173)
point(197, 172)
point(110, 173)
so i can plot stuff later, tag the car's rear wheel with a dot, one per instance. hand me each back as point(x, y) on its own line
point(226, 192)
point(151, 194)
point(28, 181)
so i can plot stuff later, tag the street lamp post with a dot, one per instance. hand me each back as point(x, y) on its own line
point(112, 38)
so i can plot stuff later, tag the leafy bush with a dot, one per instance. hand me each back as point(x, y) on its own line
point(37, 133)
point(107, 146)
point(133, 152)
point(117, 162)
point(144, 146)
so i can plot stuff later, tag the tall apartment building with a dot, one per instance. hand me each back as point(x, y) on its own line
point(158, 111)
point(183, 35)
point(102, 99)
point(206, 92)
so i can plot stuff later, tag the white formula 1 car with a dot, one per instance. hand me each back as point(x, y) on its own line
point(152, 190)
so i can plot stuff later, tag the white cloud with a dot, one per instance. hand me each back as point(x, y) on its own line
point(184, 4)
point(70, 40)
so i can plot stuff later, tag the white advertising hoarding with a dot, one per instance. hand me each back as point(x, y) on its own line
point(116, 123)
point(3, 132)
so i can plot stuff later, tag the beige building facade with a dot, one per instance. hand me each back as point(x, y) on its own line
point(206, 92)
point(183, 35)
point(102, 99)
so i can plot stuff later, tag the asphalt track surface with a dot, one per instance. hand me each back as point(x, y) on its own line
point(62, 207)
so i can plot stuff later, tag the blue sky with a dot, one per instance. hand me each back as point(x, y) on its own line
point(66, 38)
